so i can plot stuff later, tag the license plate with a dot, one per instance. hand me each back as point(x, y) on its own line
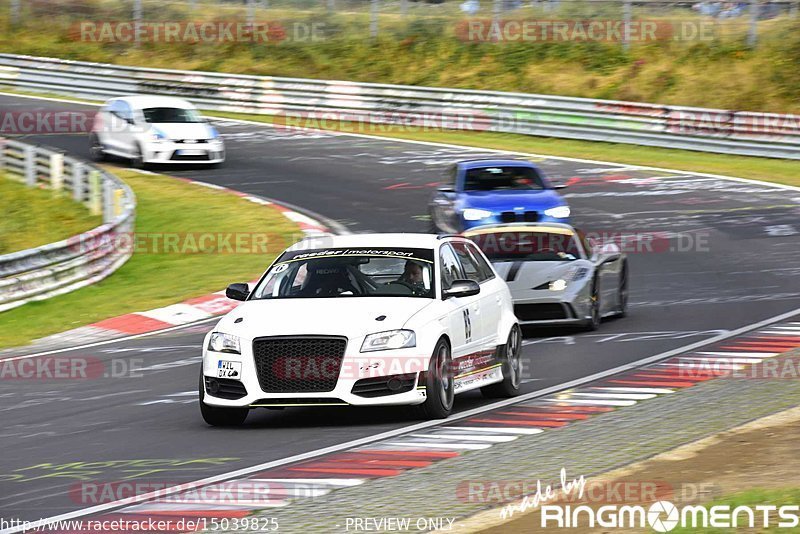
point(229, 369)
point(191, 152)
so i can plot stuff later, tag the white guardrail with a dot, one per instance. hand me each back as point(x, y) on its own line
point(57, 268)
point(710, 130)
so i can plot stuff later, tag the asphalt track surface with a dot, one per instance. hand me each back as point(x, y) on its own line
point(735, 262)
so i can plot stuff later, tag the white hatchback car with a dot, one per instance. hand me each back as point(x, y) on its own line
point(369, 319)
point(154, 129)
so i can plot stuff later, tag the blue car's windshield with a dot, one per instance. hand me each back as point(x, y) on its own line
point(503, 178)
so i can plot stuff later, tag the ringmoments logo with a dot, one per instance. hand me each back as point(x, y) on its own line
point(664, 516)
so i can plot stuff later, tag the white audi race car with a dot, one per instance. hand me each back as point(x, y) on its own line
point(369, 319)
point(556, 275)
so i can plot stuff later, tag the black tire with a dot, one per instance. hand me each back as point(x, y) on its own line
point(593, 323)
point(512, 368)
point(622, 292)
point(96, 149)
point(439, 390)
point(215, 416)
point(137, 161)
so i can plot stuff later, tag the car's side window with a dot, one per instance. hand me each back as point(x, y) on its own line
point(483, 265)
point(471, 269)
point(126, 112)
point(451, 270)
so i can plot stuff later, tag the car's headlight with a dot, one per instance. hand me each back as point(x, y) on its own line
point(219, 342)
point(156, 136)
point(392, 339)
point(472, 214)
point(213, 133)
point(561, 212)
point(558, 285)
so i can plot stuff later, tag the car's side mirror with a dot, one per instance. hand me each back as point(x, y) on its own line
point(606, 253)
point(237, 291)
point(462, 288)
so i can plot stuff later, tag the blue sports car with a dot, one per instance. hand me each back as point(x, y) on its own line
point(489, 191)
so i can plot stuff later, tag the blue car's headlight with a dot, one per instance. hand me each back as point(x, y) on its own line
point(560, 212)
point(472, 214)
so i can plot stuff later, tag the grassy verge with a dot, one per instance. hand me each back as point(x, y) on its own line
point(34, 217)
point(751, 498)
point(152, 278)
point(770, 170)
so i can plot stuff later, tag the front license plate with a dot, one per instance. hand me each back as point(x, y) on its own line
point(229, 369)
point(191, 153)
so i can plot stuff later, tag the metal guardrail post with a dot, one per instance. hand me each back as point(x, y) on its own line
point(30, 166)
point(77, 181)
point(15, 12)
point(2, 156)
point(373, 18)
point(95, 193)
point(627, 18)
point(56, 172)
point(108, 208)
point(119, 195)
point(752, 32)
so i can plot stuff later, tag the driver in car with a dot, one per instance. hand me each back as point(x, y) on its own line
point(412, 277)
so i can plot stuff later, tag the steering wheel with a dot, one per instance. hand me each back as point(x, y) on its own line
point(402, 283)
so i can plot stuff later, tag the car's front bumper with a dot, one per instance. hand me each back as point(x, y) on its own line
point(552, 308)
point(356, 367)
point(170, 152)
point(497, 218)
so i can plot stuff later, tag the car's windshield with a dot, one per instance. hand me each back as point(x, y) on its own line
point(166, 115)
point(337, 272)
point(502, 178)
point(528, 246)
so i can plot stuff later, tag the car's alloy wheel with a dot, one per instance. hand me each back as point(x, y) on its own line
point(593, 322)
point(216, 416)
point(96, 149)
point(512, 368)
point(439, 386)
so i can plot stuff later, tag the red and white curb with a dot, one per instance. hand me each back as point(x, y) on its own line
point(393, 456)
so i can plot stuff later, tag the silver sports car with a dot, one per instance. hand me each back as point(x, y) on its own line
point(556, 275)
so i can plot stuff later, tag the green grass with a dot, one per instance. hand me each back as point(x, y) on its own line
point(149, 280)
point(752, 497)
point(770, 170)
point(34, 217)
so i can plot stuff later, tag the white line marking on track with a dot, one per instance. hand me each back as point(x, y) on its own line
point(499, 430)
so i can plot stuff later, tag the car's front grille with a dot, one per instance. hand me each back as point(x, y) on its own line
point(540, 312)
point(184, 157)
point(296, 364)
point(511, 216)
point(384, 385)
point(191, 141)
point(302, 401)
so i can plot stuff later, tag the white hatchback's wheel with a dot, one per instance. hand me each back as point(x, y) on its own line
point(512, 368)
point(96, 149)
point(216, 416)
point(439, 387)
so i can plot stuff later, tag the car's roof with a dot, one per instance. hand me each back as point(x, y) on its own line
point(396, 240)
point(154, 101)
point(489, 162)
point(543, 227)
